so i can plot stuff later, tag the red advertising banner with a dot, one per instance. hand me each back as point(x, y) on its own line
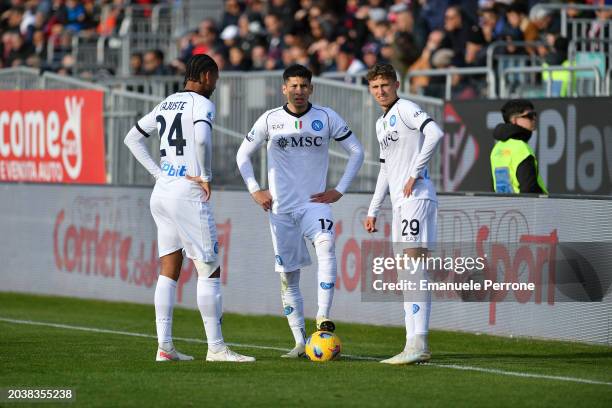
point(52, 136)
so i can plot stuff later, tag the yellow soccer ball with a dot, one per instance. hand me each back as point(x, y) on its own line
point(323, 346)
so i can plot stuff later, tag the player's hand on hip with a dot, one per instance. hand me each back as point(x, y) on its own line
point(204, 185)
point(326, 197)
point(370, 224)
point(409, 186)
point(263, 198)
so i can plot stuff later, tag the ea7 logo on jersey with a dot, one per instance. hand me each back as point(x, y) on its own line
point(277, 126)
point(417, 113)
point(169, 170)
point(388, 138)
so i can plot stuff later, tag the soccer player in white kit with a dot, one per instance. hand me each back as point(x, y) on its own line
point(180, 207)
point(407, 137)
point(298, 136)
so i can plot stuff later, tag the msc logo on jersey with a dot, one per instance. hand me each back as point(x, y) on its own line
point(301, 141)
point(392, 120)
point(169, 170)
point(388, 139)
point(317, 125)
point(279, 260)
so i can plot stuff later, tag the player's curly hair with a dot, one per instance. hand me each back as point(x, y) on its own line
point(198, 64)
point(382, 69)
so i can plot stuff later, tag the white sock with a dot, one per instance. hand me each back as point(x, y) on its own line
point(421, 312)
point(409, 321)
point(165, 296)
point(326, 257)
point(211, 308)
point(293, 305)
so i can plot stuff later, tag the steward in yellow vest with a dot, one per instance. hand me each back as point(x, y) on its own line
point(513, 163)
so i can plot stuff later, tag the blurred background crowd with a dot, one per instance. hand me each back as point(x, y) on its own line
point(328, 36)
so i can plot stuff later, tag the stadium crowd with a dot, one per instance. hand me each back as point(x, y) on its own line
point(327, 36)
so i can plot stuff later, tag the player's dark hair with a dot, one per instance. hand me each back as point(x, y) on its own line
point(297, 70)
point(515, 107)
point(382, 69)
point(198, 64)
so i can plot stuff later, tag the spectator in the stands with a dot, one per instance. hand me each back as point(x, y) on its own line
point(136, 63)
point(231, 14)
point(258, 58)
point(20, 51)
point(237, 60)
point(75, 15)
point(275, 36)
point(347, 61)
point(153, 63)
point(457, 32)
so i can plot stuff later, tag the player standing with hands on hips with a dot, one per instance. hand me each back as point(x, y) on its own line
point(298, 136)
point(180, 207)
point(407, 137)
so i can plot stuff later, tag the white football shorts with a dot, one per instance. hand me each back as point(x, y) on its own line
point(415, 224)
point(187, 225)
point(290, 229)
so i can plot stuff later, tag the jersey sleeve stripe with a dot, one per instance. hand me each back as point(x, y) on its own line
point(205, 121)
point(345, 136)
point(145, 134)
point(381, 160)
point(425, 124)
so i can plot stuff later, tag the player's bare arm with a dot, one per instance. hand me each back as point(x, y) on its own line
point(326, 197)
point(263, 198)
point(370, 224)
point(205, 185)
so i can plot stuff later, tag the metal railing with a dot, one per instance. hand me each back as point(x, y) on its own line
point(240, 99)
point(575, 25)
point(504, 89)
point(449, 73)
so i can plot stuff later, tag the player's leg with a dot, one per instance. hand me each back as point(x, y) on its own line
point(318, 226)
point(414, 232)
point(198, 233)
point(171, 259)
point(291, 255)
point(293, 307)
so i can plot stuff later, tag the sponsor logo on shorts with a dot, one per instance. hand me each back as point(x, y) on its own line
point(415, 308)
point(279, 260)
point(327, 285)
point(288, 310)
point(317, 125)
point(392, 120)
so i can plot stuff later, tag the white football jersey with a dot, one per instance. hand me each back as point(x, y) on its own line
point(174, 118)
point(298, 152)
point(400, 137)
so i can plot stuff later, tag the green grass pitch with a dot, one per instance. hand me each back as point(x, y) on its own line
point(109, 369)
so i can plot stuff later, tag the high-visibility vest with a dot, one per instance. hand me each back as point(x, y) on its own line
point(562, 77)
point(505, 159)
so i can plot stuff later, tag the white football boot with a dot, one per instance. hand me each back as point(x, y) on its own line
point(409, 356)
point(172, 355)
point(228, 355)
point(298, 351)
